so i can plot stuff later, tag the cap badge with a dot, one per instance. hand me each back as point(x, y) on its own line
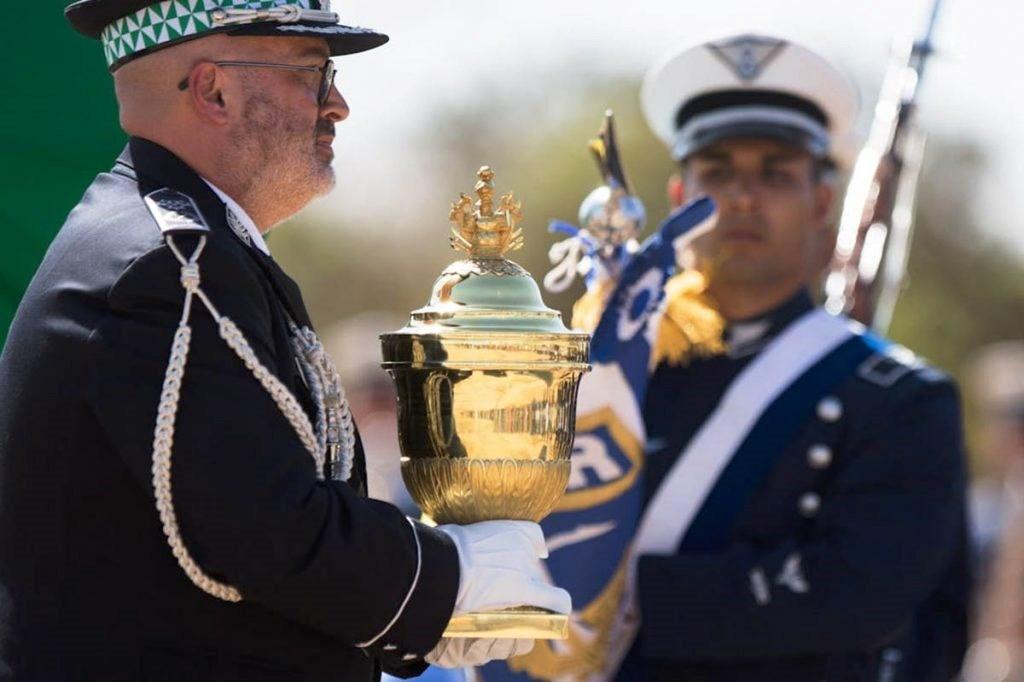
point(747, 56)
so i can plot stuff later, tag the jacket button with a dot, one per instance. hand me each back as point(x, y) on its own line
point(819, 456)
point(830, 409)
point(809, 504)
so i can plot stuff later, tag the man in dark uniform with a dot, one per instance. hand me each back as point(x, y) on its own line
point(182, 491)
point(805, 489)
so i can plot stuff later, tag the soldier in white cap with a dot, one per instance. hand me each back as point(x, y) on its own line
point(805, 488)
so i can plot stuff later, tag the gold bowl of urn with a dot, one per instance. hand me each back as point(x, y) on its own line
point(487, 378)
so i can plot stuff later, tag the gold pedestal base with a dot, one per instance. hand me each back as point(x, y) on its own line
point(517, 623)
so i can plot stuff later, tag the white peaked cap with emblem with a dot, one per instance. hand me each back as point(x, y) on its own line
point(750, 86)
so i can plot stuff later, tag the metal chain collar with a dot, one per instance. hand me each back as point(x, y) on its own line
point(333, 440)
point(335, 430)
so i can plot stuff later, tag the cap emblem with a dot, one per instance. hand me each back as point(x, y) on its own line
point(747, 56)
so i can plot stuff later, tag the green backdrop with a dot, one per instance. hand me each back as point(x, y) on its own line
point(58, 128)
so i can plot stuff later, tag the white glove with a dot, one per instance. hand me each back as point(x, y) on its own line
point(499, 567)
point(461, 652)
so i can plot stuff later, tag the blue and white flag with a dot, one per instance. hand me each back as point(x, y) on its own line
point(591, 529)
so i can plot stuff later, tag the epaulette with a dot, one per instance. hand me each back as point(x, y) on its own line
point(175, 212)
point(893, 363)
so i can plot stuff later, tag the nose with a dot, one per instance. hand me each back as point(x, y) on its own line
point(743, 193)
point(335, 109)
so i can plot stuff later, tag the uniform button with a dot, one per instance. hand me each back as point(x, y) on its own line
point(809, 504)
point(819, 456)
point(830, 409)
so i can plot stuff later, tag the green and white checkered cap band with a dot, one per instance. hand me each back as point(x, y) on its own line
point(172, 20)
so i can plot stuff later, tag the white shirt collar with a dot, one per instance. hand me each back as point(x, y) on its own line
point(745, 338)
point(243, 217)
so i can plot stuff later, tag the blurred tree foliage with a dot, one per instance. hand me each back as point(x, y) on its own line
point(963, 289)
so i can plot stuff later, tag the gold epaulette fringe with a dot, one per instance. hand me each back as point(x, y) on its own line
point(690, 326)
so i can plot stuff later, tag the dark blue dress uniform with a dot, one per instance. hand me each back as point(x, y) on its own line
point(847, 563)
point(90, 588)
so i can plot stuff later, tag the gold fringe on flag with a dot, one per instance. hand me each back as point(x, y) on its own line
point(587, 310)
point(689, 327)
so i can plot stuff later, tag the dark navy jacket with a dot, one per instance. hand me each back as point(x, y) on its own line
point(89, 589)
point(869, 498)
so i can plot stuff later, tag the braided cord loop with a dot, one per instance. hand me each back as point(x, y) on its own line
point(163, 435)
point(163, 440)
point(317, 442)
point(286, 402)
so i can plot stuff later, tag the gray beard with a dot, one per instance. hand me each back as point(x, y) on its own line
point(274, 161)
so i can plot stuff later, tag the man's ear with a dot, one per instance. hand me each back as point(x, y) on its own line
point(676, 191)
point(824, 243)
point(206, 92)
point(824, 248)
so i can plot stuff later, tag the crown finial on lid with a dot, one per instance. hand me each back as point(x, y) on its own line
point(483, 233)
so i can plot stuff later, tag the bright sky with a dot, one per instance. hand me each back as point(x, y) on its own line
point(439, 47)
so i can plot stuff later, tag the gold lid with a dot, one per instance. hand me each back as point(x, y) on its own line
point(486, 291)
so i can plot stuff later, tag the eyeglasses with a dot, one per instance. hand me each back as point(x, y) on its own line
point(327, 72)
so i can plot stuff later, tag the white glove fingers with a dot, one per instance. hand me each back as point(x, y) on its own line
point(496, 535)
point(459, 652)
point(535, 535)
point(500, 567)
point(521, 647)
point(546, 596)
point(476, 651)
point(509, 561)
point(522, 590)
point(481, 651)
point(507, 585)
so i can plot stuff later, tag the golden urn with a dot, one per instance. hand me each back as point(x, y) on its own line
point(487, 378)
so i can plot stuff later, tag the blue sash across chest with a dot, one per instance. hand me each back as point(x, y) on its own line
point(726, 460)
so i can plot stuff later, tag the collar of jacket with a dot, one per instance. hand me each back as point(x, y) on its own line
point(153, 167)
point(750, 335)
